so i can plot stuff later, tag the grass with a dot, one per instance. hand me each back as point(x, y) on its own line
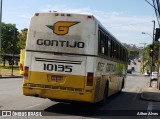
point(7, 70)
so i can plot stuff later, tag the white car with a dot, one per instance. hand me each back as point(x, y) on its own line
point(146, 74)
point(154, 76)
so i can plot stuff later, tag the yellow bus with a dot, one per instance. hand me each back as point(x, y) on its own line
point(72, 57)
point(21, 64)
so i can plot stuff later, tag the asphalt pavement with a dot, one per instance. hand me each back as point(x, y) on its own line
point(150, 92)
point(11, 98)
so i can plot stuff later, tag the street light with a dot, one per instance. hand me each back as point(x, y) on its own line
point(147, 34)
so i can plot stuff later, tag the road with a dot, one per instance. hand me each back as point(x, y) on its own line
point(11, 98)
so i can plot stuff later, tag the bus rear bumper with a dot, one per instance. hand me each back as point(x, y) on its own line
point(86, 96)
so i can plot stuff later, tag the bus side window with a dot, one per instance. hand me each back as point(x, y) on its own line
point(101, 40)
point(106, 45)
point(117, 49)
point(109, 48)
point(103, 44)
point(124, 55)
point(112, 49)
point(121, 55)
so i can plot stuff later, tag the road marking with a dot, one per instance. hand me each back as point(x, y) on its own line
point(32, 106)
point(149, 109)
point(149, 106)
point(156, 106)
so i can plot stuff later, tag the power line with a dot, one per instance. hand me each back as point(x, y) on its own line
point(156, 6)
point(157, 14)
point(151, 5)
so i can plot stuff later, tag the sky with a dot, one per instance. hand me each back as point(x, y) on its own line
point(125, 19)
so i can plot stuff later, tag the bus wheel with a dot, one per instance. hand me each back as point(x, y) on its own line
point(105, 95)
point(158, 84)
point(122, 86)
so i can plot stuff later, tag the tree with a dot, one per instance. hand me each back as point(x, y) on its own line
point(147, 57)
point(9, 33)
point(22, 36)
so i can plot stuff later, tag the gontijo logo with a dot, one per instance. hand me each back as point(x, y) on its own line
point(62, 27)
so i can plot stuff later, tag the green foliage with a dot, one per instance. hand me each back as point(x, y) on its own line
point(22, 36)
point(8, 31)
point(147, 58)
point(10, 36)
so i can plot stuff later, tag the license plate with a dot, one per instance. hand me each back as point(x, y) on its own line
point(56, 78)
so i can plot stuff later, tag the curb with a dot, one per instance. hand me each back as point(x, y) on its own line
point(5, 77)
point(150, 95)
point(148, 99)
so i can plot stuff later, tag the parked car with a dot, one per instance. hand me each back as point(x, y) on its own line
point(134, 62)
point(146, 74)
point(154, 76)
point(133, 69)
point(139, 59)
point(129, 71)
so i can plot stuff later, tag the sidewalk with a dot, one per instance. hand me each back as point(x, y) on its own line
point(7, 73)
point(150, 94)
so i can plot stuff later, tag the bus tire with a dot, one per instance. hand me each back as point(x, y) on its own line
point(122, 86)
point(105, 95)
point(158, 84)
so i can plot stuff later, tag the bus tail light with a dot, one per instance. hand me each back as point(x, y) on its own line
point(26, 70)
point(62, 14)
point(90, 77)
point(56, 14)
point(21, 67)
point(36, 14)
point(90, 17)
point(68, 15)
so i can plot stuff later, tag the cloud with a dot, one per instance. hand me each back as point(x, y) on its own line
point(25, 16)
point(119, 23)
point(109, 19)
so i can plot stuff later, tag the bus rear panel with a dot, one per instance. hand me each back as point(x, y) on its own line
point(56, 57)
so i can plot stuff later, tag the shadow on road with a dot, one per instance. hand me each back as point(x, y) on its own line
point(112, 108)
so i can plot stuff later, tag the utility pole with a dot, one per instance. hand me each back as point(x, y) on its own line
point(0, 32)
point(143, 56)
point(1, 27)
point(13, 45)
point(152, 57)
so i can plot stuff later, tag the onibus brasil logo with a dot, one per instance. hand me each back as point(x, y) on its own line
point(62, 27)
